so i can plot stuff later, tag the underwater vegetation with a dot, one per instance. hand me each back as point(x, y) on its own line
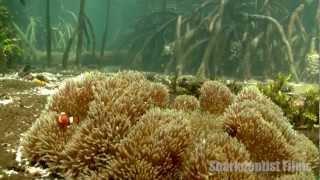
point(301, 109)
point(123, 126)
point(10, 48)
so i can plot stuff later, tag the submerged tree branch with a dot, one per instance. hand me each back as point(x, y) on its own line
point(283, 39)
point(293, 19)
point(92, 34)
point(81, 27)
point(214, 29)
point(68, 49)
point(49, 33)
point(106, 29)
point(25, 40)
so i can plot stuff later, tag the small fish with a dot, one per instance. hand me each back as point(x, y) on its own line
point(73, 120)
point(39, 82)
point(63, 120)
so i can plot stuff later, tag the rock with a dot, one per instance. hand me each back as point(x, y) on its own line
point(28, 77)
point(9, 172)
point(37, 171)
point(6, 101)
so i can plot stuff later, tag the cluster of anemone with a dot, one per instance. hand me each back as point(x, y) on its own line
point(186, 103)
point(128, 129)
point(215, 97)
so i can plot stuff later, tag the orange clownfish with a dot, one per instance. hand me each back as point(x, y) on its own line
point(64, 120)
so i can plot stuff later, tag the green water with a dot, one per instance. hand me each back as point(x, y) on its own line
point(252, 39)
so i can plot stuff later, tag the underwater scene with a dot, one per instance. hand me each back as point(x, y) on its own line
point(159, 89)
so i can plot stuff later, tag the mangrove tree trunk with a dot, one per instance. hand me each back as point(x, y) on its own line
point(106, 28)
point(81, 25)
point(48, 26)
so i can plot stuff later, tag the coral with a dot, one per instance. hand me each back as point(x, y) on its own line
point(215, 97)
point(186, 103)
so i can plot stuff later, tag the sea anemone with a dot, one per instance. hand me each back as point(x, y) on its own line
point(267, 135)
point(106, 125)
point(126, 132)
point(215, 97)
point(203, 158)
point(74, 96)
point(186, 103)
point(253, 94)
point(44, 141)
point(269, 110)
point(159, 94)
point(114, 105)
point(305, 147)
point(92, 148)
point(132, 97)
point(273, 114)
point(131, 169)
point(159, 138)
point(248, 93)
point(203, 124)
point(262, 138)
